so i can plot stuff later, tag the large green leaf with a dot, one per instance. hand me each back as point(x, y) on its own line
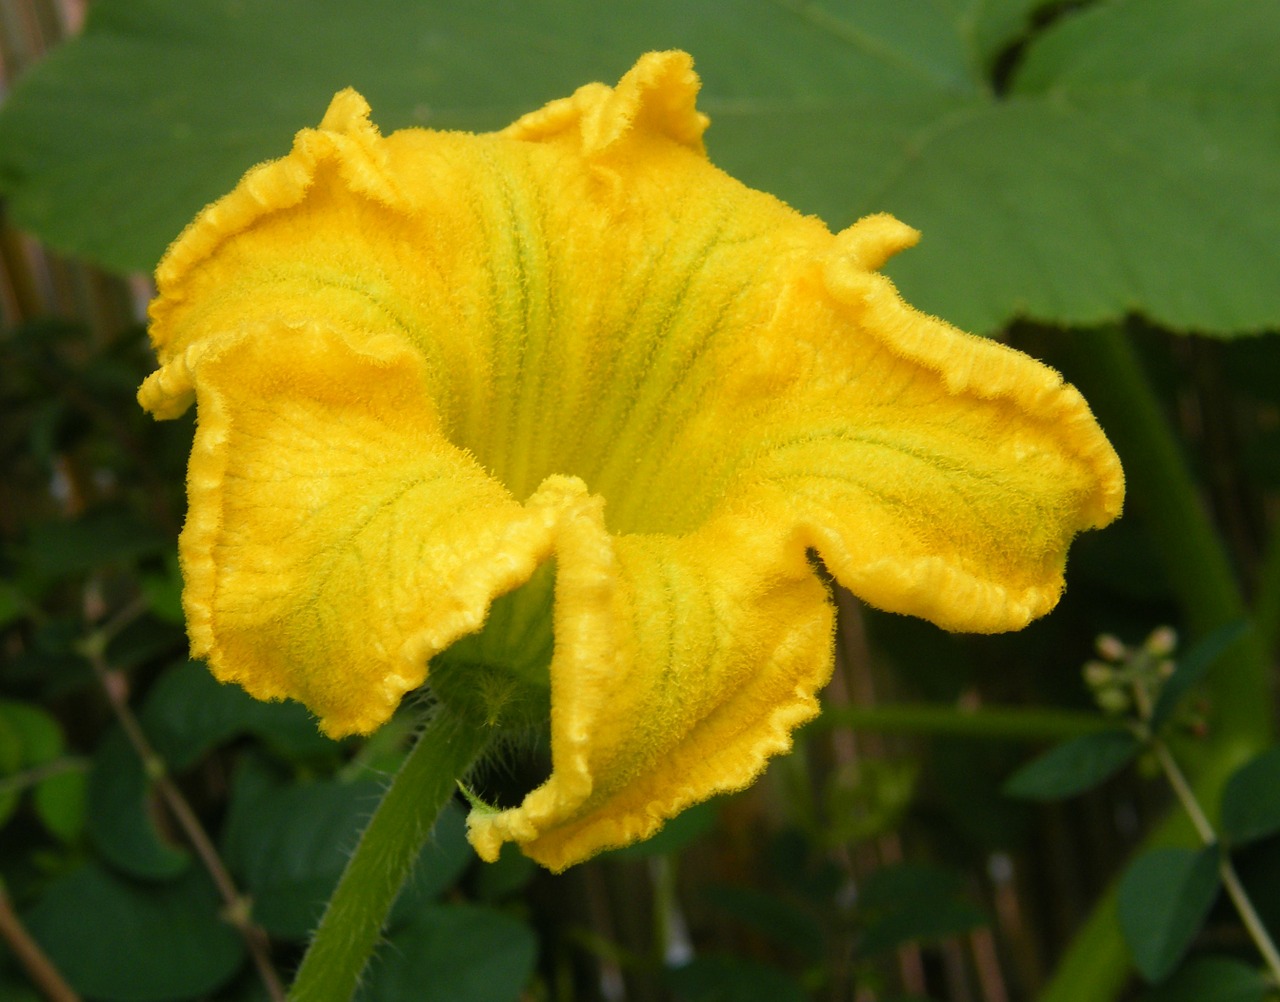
point(1131, 163)
point(460, 953)
point(1073, 766)
point(913, 902)
point(288, 844)
point(124, 814)
point(1212, 979)
point(120, 941)
point(1251, 800)
point(188, 712)
point(1162, 901)
point(726, 978)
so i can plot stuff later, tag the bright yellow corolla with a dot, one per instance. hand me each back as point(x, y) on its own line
point(574, 362)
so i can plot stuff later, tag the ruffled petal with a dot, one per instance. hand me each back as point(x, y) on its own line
point(681, 665)
point(938, 474)
point(335, 540)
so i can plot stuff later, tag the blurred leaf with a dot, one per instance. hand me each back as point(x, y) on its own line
point(120, 941)
point(1129, 130)
point(188, 712)
point(163, 591)
point(106, 535)
point(459, 953)
point(1251, 800)
point(39, 735)
point(723, 978)
point(908, 883)
point(1193, 666)
point(913, 902)
point(798, 863)
point(504, 877)
point(144, 641)
point(29, 737)
point(1211, 979)
point(920, 922)
point(122, 814)
point(684, 829)
point(778, 919)
point(10, 762)
point(1162, 900)
point(1073, 766)
point(61, 803)
point(17, 988)
point(867, 798)
point(12, 605)
point(289, 844)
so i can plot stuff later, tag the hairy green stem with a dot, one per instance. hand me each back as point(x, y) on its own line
point(1161, 486)
point(1011, 723)
point(357, 912)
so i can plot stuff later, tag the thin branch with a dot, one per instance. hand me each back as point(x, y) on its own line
point(1230, 879)
point(40, 969)
point(237, 904)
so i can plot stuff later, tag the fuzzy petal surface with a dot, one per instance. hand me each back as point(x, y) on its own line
point(428, 364)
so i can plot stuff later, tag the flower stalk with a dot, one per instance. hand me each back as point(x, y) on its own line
point(354, 918)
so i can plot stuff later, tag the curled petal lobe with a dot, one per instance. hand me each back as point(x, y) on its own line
point(574, 366)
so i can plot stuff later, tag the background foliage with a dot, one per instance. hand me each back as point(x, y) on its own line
point(1098, 182)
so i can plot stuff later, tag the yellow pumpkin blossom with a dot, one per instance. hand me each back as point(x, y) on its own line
point(574, 365)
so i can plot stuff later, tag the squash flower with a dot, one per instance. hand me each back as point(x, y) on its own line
point(559, 417)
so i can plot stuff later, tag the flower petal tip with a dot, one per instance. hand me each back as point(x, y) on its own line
point(348, 114)
point(872, 240)
point(656, 97)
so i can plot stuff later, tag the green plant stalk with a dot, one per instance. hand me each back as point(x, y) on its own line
point(1108, 369)
point(1008, 723)
point(1266, 603)
point(1230, 879)
point(354, 918)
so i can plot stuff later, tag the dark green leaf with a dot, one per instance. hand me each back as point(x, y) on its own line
point(120, 941)
point(774, 917)
point(459, 953)
point(1193, 666)
point(10, 762)
point(102, 536)
point(1211, 979)
point(1251, 800)
point(122, 812)
point(1128, 131)
point(61, 803)
point(498, 880)
point(913, 902)
point(40, 735)
point(188, 712)
point(1073, 766)
point(685, 828)
point(722, 978)
point(16, 988)
point(1162, 900)
point(289, 844)
point(908, 883)
point(920, 922)
point(12, 603)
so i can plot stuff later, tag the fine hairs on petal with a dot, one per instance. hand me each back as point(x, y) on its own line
point(430, 367)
